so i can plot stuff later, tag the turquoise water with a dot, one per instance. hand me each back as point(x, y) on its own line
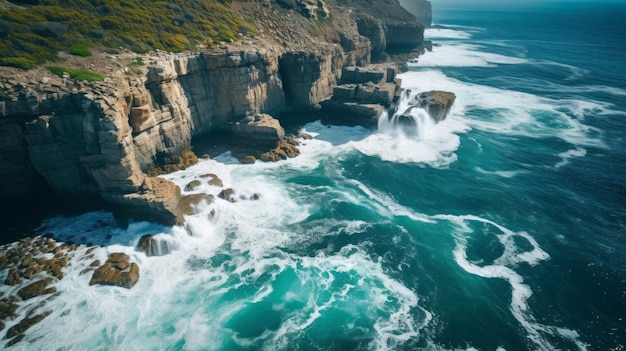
point(500, 228)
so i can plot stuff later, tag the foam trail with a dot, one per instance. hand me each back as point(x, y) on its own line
point(464, 55)
point(503, 174)
point(446, 33)
point(503, 268)
point(567, 155)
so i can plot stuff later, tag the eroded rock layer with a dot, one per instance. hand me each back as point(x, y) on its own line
point(102, 138)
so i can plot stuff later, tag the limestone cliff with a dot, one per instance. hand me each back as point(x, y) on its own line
point(101, 138)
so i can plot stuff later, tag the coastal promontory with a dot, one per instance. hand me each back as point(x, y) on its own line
point(89, 108)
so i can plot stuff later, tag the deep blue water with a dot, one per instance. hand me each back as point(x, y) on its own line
point(500, 228)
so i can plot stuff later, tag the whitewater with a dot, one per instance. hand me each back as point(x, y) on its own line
point(481, 232)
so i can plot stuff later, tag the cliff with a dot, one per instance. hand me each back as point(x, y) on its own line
point(421, 9)
point(72, 136)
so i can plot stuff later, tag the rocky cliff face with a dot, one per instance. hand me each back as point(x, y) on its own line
point(77, 138)
point(100, 138)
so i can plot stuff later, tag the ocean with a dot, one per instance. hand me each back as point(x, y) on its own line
point(499, 228)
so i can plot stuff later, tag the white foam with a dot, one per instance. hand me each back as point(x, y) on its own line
point(575, 72)
point(567, 155)
point(452, 54)
point(182, 297)
point(508, 112)
point(445, 33)
point(426, 143)
point(504, 268)
point(503, 174)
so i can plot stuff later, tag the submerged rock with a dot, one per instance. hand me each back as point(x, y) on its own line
point(215, 180)
point(8, 307)
point(37, 288)
point(190, 201)
point(24, 324)
point(191, 186)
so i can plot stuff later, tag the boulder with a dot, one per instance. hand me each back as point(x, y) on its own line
point(314, 9)
point(248, 160)
point(116, 271)
point(119, 260)
point(191, 186)
point(227, 194)
point(436, 103)
point(190, 201)
point(55, 266)
point(214, 180)
point(157, 199)
point(14, 277)
point(15, 340)
point(152, 247)
point(260, 127)
point(345, 92)
point(285, 149)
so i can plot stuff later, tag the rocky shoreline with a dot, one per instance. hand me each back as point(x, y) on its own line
point(111, 139)
point(102, 138)
point(33, 266)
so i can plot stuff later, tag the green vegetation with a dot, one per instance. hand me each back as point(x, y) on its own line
point(33, 31)
point(79, 50)
point(77, 74)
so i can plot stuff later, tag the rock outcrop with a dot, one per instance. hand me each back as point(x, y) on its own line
point(436, 103)
point(152, 247)
point(260, 127)
point(402, 31)
point(364, 94)
point(37, 288)
point(116, 271)
point(103, 138)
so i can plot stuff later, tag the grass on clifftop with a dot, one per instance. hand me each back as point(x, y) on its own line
point(33, 31)
point(77, 74)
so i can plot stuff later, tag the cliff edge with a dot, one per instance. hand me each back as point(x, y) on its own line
point(70, 135)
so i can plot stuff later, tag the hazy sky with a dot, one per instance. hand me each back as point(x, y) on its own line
point(507, 3)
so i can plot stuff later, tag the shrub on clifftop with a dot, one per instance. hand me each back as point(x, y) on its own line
point(33, 31)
